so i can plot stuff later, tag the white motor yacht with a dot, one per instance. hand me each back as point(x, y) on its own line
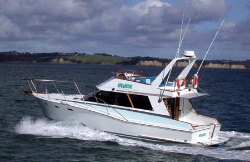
point(133, 105)
point(137, 106)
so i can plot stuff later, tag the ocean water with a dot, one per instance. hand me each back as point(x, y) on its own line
point(26, 135)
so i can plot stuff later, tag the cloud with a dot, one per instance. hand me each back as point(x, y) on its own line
point(144, 7)
point(8, 30)
point(238, 33)
point(107, 24)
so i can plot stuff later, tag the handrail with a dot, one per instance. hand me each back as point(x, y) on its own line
point(110, 107)
point(77, 88)
point(33, 85)
point(46, 90)
point(30, 85)
point(55, 86)
point(48, 80)
point(33, 88)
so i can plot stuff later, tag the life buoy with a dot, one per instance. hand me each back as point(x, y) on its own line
point(178, 83)
point(195, 81)
point(185, 82)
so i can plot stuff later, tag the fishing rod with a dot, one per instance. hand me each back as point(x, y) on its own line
point(210, 46)
point(178, 50)
point(181, 39)
point(180, 43)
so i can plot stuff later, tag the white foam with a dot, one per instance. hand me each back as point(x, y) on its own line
point(233, 134)
point(75, 130)
point(62, 129)
point(243, 144)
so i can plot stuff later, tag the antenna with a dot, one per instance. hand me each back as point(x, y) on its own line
point(210, 45)
point(177, 53)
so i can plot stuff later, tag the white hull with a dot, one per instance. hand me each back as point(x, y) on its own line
point(117, 124)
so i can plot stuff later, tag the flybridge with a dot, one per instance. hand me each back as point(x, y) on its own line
point(134, 82)
point(160, 85)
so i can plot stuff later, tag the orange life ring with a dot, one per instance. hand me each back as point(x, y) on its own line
point(178, 83)
point(185, 82)
point(195, 81)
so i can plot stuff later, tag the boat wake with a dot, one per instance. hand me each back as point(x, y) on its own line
point(75, 130)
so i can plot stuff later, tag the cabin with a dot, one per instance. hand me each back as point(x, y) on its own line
point(133, 91)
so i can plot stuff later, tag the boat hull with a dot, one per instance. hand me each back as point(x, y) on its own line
point(62, 111)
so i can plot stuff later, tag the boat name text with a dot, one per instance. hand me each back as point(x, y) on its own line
point(121, 85)
point(202, 135)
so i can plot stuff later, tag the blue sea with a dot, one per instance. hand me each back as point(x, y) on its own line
point(26, 135)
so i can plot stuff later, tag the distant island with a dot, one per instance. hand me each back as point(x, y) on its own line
point(107, 59)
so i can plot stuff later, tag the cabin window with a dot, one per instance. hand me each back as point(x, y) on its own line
point(141, 102)
point(121, 99)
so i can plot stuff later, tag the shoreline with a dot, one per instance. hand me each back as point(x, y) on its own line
point(52, 63)
point(107, 59)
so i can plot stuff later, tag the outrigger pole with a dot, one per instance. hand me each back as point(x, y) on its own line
point(180, 43)
point(210, 46)
point(178, 51)
point(182, 37)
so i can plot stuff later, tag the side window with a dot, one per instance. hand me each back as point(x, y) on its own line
point(141, 102)
point(105, 97)
point(100, 97)
point(112, 98)
point(121, 99)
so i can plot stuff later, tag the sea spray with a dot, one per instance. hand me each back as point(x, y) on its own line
point(75, 130)
point(233, 134)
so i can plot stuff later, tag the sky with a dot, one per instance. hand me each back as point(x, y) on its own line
point(126, 27)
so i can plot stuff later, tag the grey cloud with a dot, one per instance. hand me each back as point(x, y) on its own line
point(72, 23)
point(7, 28)
point(239, 33)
